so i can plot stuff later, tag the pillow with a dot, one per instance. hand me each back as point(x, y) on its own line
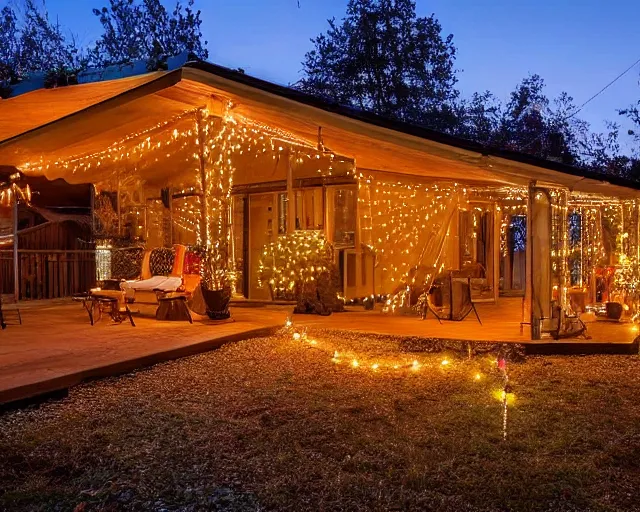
point(126, 263)
point(161, 261)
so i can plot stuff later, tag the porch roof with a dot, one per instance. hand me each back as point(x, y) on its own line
point(57, 124)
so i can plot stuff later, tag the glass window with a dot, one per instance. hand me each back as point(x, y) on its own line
point(345, 210)
point(310, 209)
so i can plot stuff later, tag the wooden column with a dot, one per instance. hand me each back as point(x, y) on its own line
point(118, 205)
point(16, 263)
point(497, 222)
point(291, 195)
point(564, 249)
point(204, 201)
point(527, 309)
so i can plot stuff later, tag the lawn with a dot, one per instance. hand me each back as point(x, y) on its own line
point(283, 424)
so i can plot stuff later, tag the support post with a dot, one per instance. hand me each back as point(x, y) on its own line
point(564, 250)
point(204, 228)
point(495, 251)
point(291, 196)
point(16, 263)
point(119, 201)
point(170, 194)
point(528, 292)
point(92, 191)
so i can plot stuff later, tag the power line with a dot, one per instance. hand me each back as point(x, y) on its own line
point(604, 89)
point(588, 101)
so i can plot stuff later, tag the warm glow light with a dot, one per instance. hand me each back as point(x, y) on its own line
point(296, 336)
point(355, 363)
point(444, 362)
point(477, 376)
point(501, 394)
point(375, 366)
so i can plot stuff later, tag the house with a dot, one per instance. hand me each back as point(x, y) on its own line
point(402, 205)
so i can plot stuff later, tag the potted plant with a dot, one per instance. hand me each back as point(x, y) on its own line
point(215, 285)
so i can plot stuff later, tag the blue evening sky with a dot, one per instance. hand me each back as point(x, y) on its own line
point(575, 45)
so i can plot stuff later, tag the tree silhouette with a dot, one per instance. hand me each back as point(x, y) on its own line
point(145, 30)
point(385, 59)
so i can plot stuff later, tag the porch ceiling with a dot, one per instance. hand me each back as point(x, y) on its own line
point(58, 124)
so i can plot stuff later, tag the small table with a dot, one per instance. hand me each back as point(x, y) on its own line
point(104, 300)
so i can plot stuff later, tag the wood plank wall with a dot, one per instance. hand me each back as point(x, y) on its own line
point(49, 274)
point(53, 261)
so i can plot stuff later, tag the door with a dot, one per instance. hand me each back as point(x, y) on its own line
point(261, 221)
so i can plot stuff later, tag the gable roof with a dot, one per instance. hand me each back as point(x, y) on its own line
point(89, 117)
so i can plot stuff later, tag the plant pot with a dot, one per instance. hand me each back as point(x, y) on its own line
point(217, 302)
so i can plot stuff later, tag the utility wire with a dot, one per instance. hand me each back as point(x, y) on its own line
point(604, 89)
point(588, 101)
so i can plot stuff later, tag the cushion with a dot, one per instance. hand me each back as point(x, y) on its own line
point(161, 261)
point(126, 263)
point(192, 263)
point(166, 284)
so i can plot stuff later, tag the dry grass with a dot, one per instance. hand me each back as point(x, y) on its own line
point(271, 424)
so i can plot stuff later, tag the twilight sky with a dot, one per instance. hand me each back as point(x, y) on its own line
point(575, 45)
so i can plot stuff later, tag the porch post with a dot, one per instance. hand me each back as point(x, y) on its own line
point(527, 310)
point(118, 202)
point(204, 235)
point(497, 222)
point(564, 249)
point(291, 196)
point(170, 194)
point(16, 263)
point(92, 191)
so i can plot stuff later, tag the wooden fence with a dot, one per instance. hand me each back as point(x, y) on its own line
point(48, 274)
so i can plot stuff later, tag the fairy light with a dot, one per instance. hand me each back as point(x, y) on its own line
point(293, 260)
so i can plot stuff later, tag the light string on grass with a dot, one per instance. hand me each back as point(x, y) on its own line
point(348, 359)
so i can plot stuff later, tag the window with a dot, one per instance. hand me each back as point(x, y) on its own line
point(345, 211)
point(310, 209)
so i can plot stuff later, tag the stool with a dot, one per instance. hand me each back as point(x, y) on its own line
point(173, 307)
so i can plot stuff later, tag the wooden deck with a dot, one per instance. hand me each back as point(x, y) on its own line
point(56, 348)
point(500, 323)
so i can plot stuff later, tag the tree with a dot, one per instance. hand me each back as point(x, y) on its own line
point(33, 43)
point(601, 152)
point(385, 59)
point(480, 118)
point(144, 30)
point(9, 51)
point(532, 124)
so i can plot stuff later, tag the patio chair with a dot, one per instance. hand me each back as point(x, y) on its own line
point(462, 302)
point(459, 299)
point(163, 275)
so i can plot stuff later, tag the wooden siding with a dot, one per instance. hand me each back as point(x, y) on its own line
point(54, 260)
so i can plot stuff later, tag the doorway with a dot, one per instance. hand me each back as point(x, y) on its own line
point(261, 220)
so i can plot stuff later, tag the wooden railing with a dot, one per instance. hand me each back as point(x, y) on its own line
point(48, 274)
